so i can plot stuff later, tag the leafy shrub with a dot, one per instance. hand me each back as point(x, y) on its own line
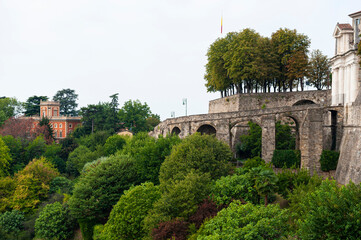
point(5, 159)
point(12, 222)
point(246, 221)
point(35, 149)
point(61, 184)
point(203, 153)
point(331, 212)
point(176, 229)
point(113, 144)
point(286, 158)
point(54, 222)
point(78, 158)
point(288, 179)
point(127, 217)
point(253, 162)
point(329, 160)
point(16, 147)
point(285, 139)
point(98, 189)
point(7, 188)
point(206, 210)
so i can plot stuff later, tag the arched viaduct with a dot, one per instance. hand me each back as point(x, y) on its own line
point(318, 126)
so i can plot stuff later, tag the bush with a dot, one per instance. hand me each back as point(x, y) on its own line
point(113, 144)
point(289, 179)
point(253, 162)
point(127, 217)
point(203, 153)
point(206, 210)
point(98, 189)
point(331, 212)
point(329, 160)
point(78, 158)
point(286, 158)
point(12, 222)
point(54, 222)
point(176, 229)
point(251, 144)
point(285, 139)
point(61, 184)
point(246, 221)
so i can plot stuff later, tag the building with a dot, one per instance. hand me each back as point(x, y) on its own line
point(62, 125)
point(345, 63)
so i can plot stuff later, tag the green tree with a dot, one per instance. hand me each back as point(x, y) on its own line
point(285, 138)
point(35, 149)
point(113, 144)
point(97, 117)
point(202, 153)
point(251, 143)
point(134, 115)
point(7, 188)
point(98, 189)
point(78, 158)
point(297, 69)
point(54, 222)
point(247, 221)
point(331, 212)
point(113, 117)
point(265, 182)
point(67, 98)
point(126, 220)
point(48, 130)
point(319, 70)
point(9, 107)
point(32, 105)
point(16, 147)
point(287, 43)
point(5, 159)
point(241, 58)
point(11, 222)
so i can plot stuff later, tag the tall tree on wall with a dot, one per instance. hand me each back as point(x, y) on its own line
point(287, 43)
point(297, 66)
point(67, 98)
point(32, 105)
point(319, 70)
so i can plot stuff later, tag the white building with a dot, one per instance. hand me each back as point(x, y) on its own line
point(345, 66)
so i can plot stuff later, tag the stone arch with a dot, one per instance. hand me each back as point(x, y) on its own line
point(303, 102)
point(176, 131)
point(296, 127)
point(207, 129)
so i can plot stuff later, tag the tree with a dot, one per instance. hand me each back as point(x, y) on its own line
point(67, 98)
point(241, 58)
point(32, 105)
point(127, 217)
point(113, 144)
point(5, 159)
point(11, 222)
point(134, 115)
point(247, 221)
point(113, 117)
point(202, 153)
point(96, 118)
point(35, 149)
point(78, 158)
point(265, 182)
point(9, 107)
point(319, 70)
point(17, 151)
point(98, 189)
point(287, 43)
point(54, 222)
point(330, 212)
point(285, 138)
point(48, 132)
point(297, 67)
point(18, 128)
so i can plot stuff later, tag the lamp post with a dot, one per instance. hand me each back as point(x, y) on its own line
point(185, 103)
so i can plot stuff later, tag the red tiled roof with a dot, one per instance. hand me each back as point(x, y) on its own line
point(345, 26)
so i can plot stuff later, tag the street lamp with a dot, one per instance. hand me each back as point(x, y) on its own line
point(185, 103)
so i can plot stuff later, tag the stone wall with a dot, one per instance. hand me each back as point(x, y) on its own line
point(251, 101)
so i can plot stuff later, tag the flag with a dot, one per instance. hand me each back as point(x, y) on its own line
point(221, 24)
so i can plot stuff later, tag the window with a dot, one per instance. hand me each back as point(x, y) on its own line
point(55, 112)
point(70, 125)
point(60, 125)
point(60, 134)
point(51, 125)
point(55, 125)
point(55, 134)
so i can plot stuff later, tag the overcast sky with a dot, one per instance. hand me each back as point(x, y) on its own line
point(153, 51)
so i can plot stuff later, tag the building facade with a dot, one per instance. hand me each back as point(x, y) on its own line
point(62, 125)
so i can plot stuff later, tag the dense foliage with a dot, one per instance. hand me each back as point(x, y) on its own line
point(54, 222)
point(127, 217)
point(286, 158)
point(246, 221)
point(67, 98)
point(251, 143)
point(329, 160)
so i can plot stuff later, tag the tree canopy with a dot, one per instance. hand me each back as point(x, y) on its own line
point(9, 107)
point(67, 98)
point(32, 105)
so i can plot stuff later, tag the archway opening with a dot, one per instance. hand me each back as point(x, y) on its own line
point(207, 129)
point(333, 129)
point(304, 102)
point(176, 131)
point(250, 142)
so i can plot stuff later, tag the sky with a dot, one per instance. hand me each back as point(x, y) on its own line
point(153, 51)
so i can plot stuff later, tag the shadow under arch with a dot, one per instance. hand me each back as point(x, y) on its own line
point(175, 131)
point(303, 102)
point(207, 129)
